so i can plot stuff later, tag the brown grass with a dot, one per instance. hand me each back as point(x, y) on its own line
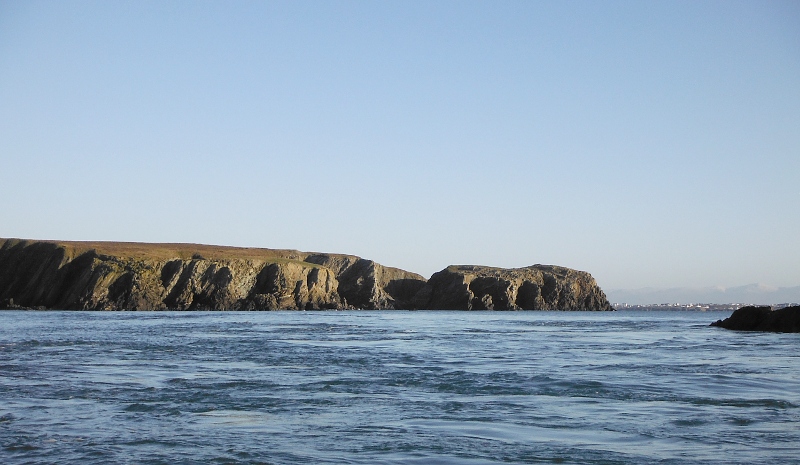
point(161, 251)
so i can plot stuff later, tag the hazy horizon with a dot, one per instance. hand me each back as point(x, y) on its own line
point(749, 294)
point(654, 145)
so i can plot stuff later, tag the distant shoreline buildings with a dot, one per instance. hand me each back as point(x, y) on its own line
point(690, 307)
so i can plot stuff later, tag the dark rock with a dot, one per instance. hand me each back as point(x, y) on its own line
point(751, 318)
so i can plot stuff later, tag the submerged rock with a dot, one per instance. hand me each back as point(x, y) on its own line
point(136, 276)
point(752, 318)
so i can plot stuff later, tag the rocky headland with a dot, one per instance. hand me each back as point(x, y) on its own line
point(752, 318)
point(537, 287)
point(138, 276)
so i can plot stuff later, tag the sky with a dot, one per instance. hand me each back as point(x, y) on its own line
point(652, 144)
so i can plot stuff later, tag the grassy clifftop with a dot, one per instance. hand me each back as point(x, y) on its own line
point(165, 251)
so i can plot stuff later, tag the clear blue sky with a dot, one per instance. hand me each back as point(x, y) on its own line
point(649, 143)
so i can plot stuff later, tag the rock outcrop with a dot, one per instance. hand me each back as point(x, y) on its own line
point(537, 287)
point(136, 276)
point(368, 285)
point(784, 320)
point(130, 276)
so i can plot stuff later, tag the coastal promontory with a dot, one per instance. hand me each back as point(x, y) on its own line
point(140, 276)
point(537, 287)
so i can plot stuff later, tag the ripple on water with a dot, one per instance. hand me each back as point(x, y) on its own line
point(394, 387)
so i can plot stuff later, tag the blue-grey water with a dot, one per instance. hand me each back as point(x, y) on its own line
point(392, 387)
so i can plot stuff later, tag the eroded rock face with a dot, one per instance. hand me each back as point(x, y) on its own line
point(134, 276)
point(53, 275)
point(537, 287)
point(752, 318)
point(369, 285)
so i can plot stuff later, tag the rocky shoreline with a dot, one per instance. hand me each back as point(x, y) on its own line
point(137, 276)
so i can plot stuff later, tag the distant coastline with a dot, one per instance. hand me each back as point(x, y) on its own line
point(690, 307)
point(751, 294)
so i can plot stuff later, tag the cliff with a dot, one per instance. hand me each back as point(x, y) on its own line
point(136, 276)
point(537, 287)
point(784, 320)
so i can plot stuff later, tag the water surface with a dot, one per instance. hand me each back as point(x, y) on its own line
point(390, 387)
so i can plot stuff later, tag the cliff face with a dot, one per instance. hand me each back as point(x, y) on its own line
point(369, 285)
point(106, 276)
point(133, 276)
point(537, 287)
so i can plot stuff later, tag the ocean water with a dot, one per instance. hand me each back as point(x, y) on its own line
point(391, 387)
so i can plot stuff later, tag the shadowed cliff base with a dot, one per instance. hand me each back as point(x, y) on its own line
point(752, 318)
point(136, 276)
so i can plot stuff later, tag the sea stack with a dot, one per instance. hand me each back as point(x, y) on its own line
point(138, 276)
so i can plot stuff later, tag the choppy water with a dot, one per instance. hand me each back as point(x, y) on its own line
point(394, 387)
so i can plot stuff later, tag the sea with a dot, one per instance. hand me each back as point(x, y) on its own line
point(394, 387)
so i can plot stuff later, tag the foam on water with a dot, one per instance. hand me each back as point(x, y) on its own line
point(394, 387)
